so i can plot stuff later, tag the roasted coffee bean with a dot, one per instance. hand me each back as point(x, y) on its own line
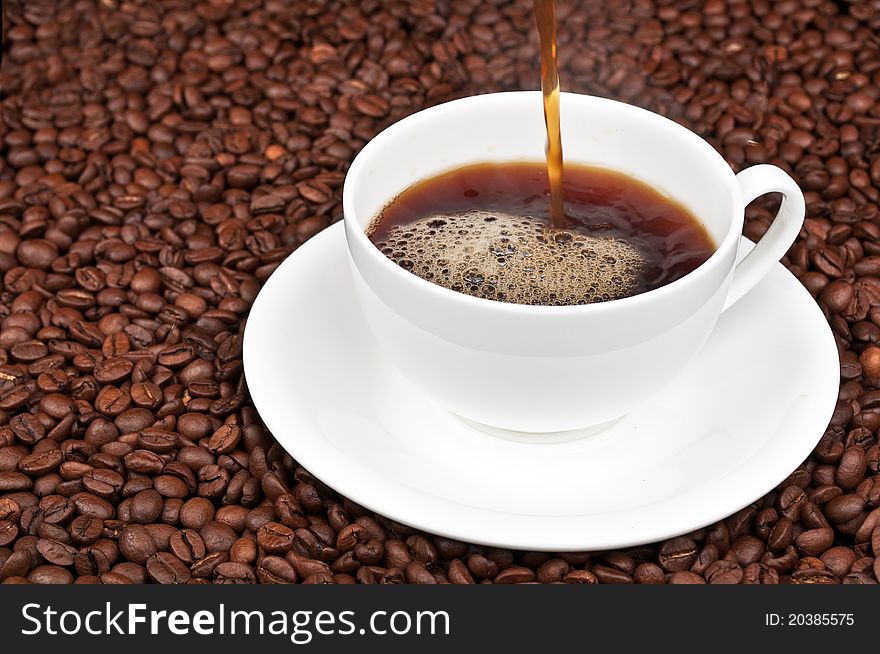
point(204, 567)
point(29, 351)
point(218, 537)
point(424, 551)
point(146, 507)
point(677, 554)
point(813, 542)
point(619, 561)
point(345, 564)
point(289, 512)
point(308, 497)
point(515, 575)
point(165, 568)
point(40, 463)
point(88, 504)
point(757, 573)
point(608, 575)
point(148, 395)
point(764, 522)
point(843, 508)
point(851, 468)
point(224, 439)
point(724, 572)
point(369, 553)
point(259, 516)
point(275, 570)
point(306, 567)
point(580, 577)
point(131, 488)
point(57, 510)
point(790, 501)
point(397, 555)
point(234, 573)
point(813, 576)
point(196, 513)
point(243, 550)
point(50, 574)
point(91, 560)
point(212, 481)
point(56, 552)
point(649, 573)
point(17, 564)
point(812, 517)
point(114, 579)
point(747, 550)
point(780, 535)
point(458, 573)
point(136, 574)
point(85, 530)
point(170, 486)
point(838, 560)
point(324, 579)
point(8, 532)
point(102, 482)
point(27, 428)
point(136, 544)
point(685, 577)
point(157, 440)
point(447, 548)
point(350, 536)
point(14, 481)
point(417, 574)
point(112, 370)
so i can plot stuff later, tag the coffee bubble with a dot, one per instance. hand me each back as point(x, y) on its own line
point(517, 259)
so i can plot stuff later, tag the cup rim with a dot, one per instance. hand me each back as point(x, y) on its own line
point(355, 231)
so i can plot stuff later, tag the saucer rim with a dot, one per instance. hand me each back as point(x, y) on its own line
point(346, 485)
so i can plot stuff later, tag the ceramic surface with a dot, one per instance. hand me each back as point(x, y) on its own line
point(547, 369)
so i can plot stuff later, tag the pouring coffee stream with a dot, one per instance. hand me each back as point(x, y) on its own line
point(545, 16)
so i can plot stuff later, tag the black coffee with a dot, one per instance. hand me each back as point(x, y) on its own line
point(485, 230)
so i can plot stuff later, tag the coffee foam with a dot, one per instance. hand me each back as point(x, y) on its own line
point(518, 259)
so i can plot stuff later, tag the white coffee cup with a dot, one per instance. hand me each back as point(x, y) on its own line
point(551, 368)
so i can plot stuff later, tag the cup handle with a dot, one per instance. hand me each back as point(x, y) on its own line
point(755, 182)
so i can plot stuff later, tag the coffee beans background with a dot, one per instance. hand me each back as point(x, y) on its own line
point(159, 160)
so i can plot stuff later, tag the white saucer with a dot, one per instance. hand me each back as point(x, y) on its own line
point(745, 414)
